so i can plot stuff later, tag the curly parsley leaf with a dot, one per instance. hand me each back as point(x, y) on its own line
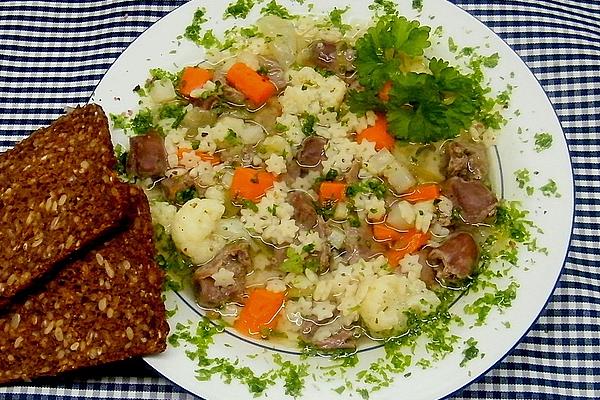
point(382, 50)
point(420, 107)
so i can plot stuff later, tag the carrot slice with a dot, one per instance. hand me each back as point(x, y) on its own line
point(408, 243)
point(211, 158)
point(385, 233)
point(332, 191)
point(260, 312)
point(377, 134)
point(253, 85)
point(193, 78)
point(251, 184)
point(424, 192)
point(384, 92)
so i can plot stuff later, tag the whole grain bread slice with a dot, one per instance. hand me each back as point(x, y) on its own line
point(58, 193)
point(105, 306)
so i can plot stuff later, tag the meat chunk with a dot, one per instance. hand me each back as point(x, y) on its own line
point(359, 243)
point(267, 115)
point(456, 257)
point(235, 258)
point(335, 57)
point(342, 339)
point(306, 217)
point(325, 54)
point(305, 214)
point(275, 72)
point(466, 161)
point(312, 152)
point(172, 185)
point(147, 156)
point(473, 199)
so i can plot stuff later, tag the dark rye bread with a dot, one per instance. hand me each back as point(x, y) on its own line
point(57, 194)
point(104, 307)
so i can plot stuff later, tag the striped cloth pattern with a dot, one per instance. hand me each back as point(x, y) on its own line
point(53, 53)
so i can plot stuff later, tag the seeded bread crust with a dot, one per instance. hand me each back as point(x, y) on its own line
point(105, 306)
point(58, 193)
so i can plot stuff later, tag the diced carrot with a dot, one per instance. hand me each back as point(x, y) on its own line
point(424, 192)
point(260, 312)
point(377, 134)
point(408, 243)
point(211, 158)
point(251, 184)
point(332, 191)
point(385, 233)
point(384, 92)
point(254, 86)
point(193, 78)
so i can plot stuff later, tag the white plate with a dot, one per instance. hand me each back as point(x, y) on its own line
point(158, 47)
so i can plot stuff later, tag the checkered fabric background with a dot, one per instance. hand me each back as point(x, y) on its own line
point(53, 53)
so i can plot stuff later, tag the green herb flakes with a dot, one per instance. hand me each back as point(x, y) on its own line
point(192, 32)
point(543, 141)
point(470, 352)
point(143, 122)
point(272, 8)
point(483, 305)
point(335, 17)
point(417, 5)
point(239, 9)
point(523, 177)
point(550, 189)
point(386, 7)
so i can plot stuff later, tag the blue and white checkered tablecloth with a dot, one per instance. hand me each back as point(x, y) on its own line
point(54, 52)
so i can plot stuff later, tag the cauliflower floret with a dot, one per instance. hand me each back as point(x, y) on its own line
point(192, 229)
point(163, 213)
point(390, 296)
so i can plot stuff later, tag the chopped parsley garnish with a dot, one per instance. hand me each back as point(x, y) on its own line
point(249, 205)
point(293, 262)
point(177, 266)
point(483, 305)
point(159, 74)
point(208, 40)
point(279, 127)
point(543, 141)
point(511, 222)
point(142, 122)
point(192, 32)
point(420, 107)
point(522, 177)
point(239, 9)
point(387, 7)
point(121, 156)
point(470, 352)
point(172, 110)
point(272, 210)
point(272, 8)
point(185, 195)
point(417, 5)
point(293, 375)
point(335, 17)
point(231, 138)
point(296, 263)
point(373, 185)
point(550, 189)
point(308, 124)
point(119, 121)
point(249, 32)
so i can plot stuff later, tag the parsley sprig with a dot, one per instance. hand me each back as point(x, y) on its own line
point(420, 107)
